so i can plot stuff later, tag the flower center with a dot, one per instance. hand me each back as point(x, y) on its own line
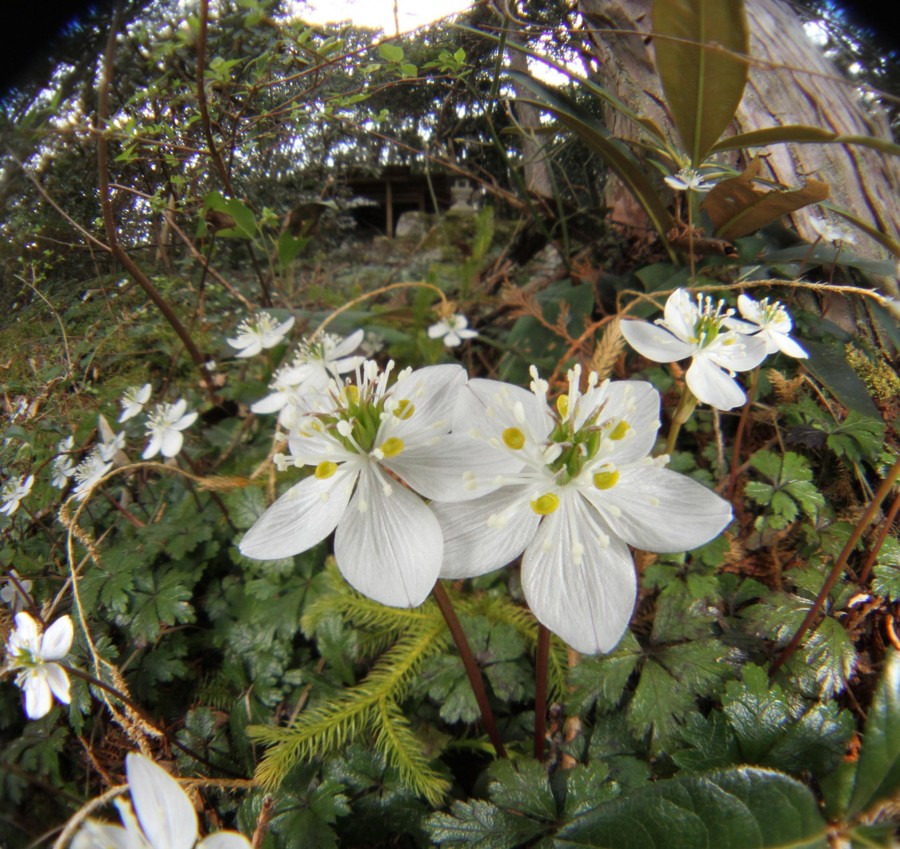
point(709, 323)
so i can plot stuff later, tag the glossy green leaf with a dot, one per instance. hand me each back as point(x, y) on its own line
point(742, 808)
point(703, 80)
point(878, 774)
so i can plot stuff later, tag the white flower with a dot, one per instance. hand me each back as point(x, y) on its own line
point(133, 401)
point(297, 386)
point(688, 180)
point(14, 592)
point(771, 323)
point(706, 332)
point(161, 816)
point(261, 331)
point(374, 440)
point(62, 466)
point(164, 426)
point(833, 232)
point(14, 490)
point(578, 489)
point(89, 472)
point(452, 329)
point(110, 445)
point(35, 654)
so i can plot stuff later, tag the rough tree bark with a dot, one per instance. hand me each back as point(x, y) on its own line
point(791, 82)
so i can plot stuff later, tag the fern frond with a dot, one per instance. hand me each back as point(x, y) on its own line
point(503, 609)
point(403, 750)
point(359, 610)
point(328, 728)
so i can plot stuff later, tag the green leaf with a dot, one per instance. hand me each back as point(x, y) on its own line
point(857, 438)
point(522, 786)
point(245, 226)
point(481, 825)
point(828, 363)
point(695, 43)
point(289, 247)
point(886, 574)
point(800, 134)
point(741, 808)
point(878, 774)
point(391, 52)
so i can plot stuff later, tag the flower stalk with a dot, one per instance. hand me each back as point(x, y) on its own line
point(472, 669)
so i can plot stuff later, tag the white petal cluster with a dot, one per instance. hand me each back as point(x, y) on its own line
point(260, 332)
point(577, 488)
point(375, 452)
point(705, 331)
point(688, 180)
point(13, 491)
point(453, 330)
point(160, 816)
point(830, 232)
point(164, 426)
point(15, 592)
point(62, 466)
point(133, 401)
point(89, 472)
point(298, 385)
point(34, 654)
point(772, 323)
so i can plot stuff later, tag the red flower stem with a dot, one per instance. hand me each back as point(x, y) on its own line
point(867, 518)
point(540, 691)
point(739, 435)
point(472, 669)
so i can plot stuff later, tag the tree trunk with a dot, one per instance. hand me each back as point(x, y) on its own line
point(790, 82)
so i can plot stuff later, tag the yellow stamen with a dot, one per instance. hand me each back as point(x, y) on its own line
point(619, 431)
point(513, 438)
point(405, 409)
point(546, 504)
point(352, 393)
point(392, 447)
point(606, 480)
point(562, 406)
point(325, 469)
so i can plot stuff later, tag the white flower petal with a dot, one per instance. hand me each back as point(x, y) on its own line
point(101, 835)
point(681, 313)
point(38, 698)
point(579, 581)
point(26, 629)
point(654, 342)
point(171, 443)
point(388, 546)
point(58, 682)
point(224, 840)
point(307, 513)
point(165, 813)
point(456, 468)
point(788, 346)
point(57, 639)
point(433, 390)
point(494, 402)
point(486, 534)
point(737, 352)
point(347, 346)
point(660, 510)
point(713, 386)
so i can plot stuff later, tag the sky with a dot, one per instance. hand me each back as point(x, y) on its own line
point(380, 13)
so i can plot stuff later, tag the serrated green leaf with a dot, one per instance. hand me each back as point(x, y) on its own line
point(878, 774)
point(857, 438)
point(481, 825)
point(703, 80)
point(742, 808)
point(522, 786)
point(711, 740)
point(391, 52)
